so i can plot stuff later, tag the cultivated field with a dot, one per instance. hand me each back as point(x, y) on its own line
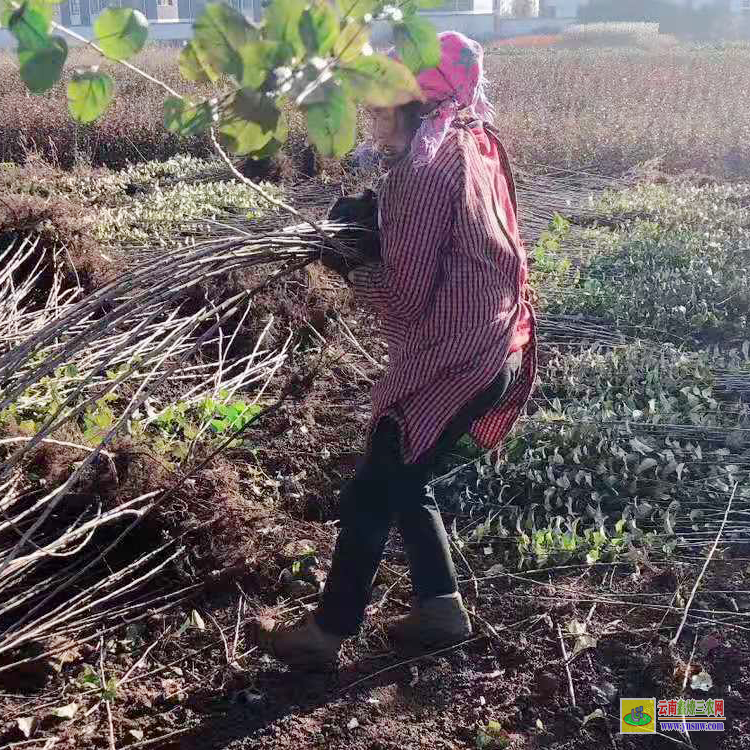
point(606, 110)
point(161, 307)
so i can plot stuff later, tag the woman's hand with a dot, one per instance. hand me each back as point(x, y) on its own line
point(361, 213)
point(336, 262)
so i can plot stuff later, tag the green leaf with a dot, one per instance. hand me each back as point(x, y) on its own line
point(254, 107)
point(186, 119)
point(221, 32)
point(89, 95)
point(194, 66)
point(356, 9)
point(332, 124)
point(592, 556)
point(109, 693)
point(89, 676)
point(30, 26)
point(255, 409)
point(65, 712)
point(379, 81)
point(196, 620)
point(46, 7)
point(492, 737)
point(234, 411)
point(640, 446)
point(560, 224)
point(251, 122)
point(283, 25)
point(41, 68)
point(258, 59)
point(582, 643)
point(103, 419)
point(271, 148)
point(417, 44)
point(595, 714)
point(121, 32)
point(350, 42)
point(319, 28)
point(243, 137)
point(646, 464)
point(28, 427)
point(27, 725)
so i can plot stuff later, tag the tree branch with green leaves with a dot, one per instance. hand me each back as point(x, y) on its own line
point(314, 56)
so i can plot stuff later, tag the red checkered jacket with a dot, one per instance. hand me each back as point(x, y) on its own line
point(451, 291)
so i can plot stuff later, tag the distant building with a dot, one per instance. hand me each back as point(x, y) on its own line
point(458, 6)
point(734, 6)
point(569, 8)
point(83, 12)
point(558, 8)
point(516, 8)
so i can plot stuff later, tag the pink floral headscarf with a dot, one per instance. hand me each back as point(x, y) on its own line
point(456, 86)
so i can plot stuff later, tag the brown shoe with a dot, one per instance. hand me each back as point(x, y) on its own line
point(304, 646)
point(433, 623)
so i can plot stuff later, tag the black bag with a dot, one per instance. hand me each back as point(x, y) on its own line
point(364, 238)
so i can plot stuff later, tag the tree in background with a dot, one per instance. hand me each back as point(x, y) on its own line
point(627, 10)
point(701, 23)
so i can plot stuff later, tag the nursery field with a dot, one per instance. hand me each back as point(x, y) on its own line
point(601, 109)
point(150, 301)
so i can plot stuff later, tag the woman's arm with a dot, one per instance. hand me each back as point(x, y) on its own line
point(416, 220)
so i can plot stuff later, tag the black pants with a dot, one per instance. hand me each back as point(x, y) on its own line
point(385, 491)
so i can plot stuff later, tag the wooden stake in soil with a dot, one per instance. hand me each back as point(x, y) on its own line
point(676, 638)
point(684, 684)
point(571, 690)
point(106, 700)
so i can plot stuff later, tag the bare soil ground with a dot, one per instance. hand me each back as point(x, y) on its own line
point(193, 682)
point(203, 687)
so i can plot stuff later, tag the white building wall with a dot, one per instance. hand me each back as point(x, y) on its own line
point(509, 7)
point(475, 24)
point(479, 24)
point(559, 8)
point(565, 8)
point(736, 6)
point(569, 8)
point(159, 31)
